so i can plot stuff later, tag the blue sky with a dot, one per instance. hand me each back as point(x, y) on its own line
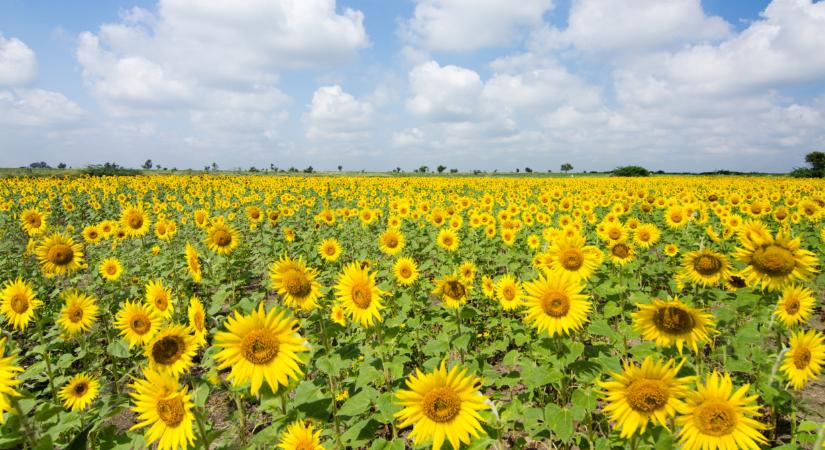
point(375, 84)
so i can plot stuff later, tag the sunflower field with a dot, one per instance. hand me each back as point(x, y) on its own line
point(259, 312)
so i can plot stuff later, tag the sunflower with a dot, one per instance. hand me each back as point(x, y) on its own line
point(467, 271)
point(58, 254)
point(159, 298)
point(111, 269)
point(295, 282)
point(193, 263)
point(260, 346)
point(646, 235)
point(197, 320)
point(33, 221)
point(509, 292)
point(620, 252)
point(171, 350)
point(556, 304)
point(441, 406)
point(391, 242)
point(672, 322)
point(17, 303)
point(714, 416)
point(734, 283)
point(795, 305)
point(447, 239)
point(452, 290)
point(569, 255)
point(8, 380)
point(774, 262)
point(488, 286)
point(137, 322)
point(405, 271)
point(639, 395)
point(300, 436)
point(329, 249)
point(79, 312)
point(134, 220)
point(676, 217)
point(705, 267)
point(804, 359)
point(221, 237)
point(338, 315)
point(358, 294)
point(671, 250)
point(79, 392)
point(166, 408)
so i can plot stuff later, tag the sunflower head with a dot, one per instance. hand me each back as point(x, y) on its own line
point(18, 303)
point(166, 408)
point(705, 267)
point(300, 435)
point(159, 297)
point(673, 322)
point(58, 254)
point(805, 358)
point(452, 290)
point(447, 239)
point(329, 249)
point(222, 237)
point(138, 322)
point(795, 305)
point(171, 350)
point(405, 270)
point(79, 312)
point(134, 221)
point(111, 269)
point(391, 241)
point(359, 295)
point(79, 392)
point(509, 292)
point(295, 282)
point(556, 304)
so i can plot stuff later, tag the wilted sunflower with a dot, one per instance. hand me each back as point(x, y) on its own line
point(300, 436)
point(705, 267)
point(8, 380)
point(359, 295)
point(222, 237)
point(17, 303)
point(804, 359)
point(197, 320)
point(714, 416)
point(260, 346)
point(171, 350)
point(509, 292)
point(111, 269)
point(556, 304)
point(672, 322)
point(405, 271)
point(134, 221)
point(795, 306)
point(441, 406)
point(166, 408)
point(639, 395)
point(137, 323)
point(58, 254)
point(79, 392)
point(447, 239)
point(33, 221)
point(569, 255)
point(79, 312)
point(295, 282)
point(452, 290)
point(329, 249)
point(391, 241)
point(160, 298)
point(774, 262)
point(193, 263)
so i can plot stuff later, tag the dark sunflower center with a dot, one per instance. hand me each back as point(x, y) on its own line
point(361, 295)
point(441, 404)
point(255, 215)
point(80, 388)
point(737, 282)
point(621, 251)
point(135, 221)
point(447, 240)
point(647, 395)
point(555, 303)
point(715, 419)
point(75, 313)
point(673, 320)
point(391, 241)
point(572, 259)
point(615, 234)
point(161, 301)
point(802, 358)
point(676, 217)
point(141, 324)
point(111, 269)
point(198, 320)
point(19, 303)
point(454, 289)
point(781, 214)
point(792, 306)
point(405, 272)
point(707, 265)
point(34, 221)
point(60, 254)
point(296, 283)
point(260, 346)
point(92, 234)
point(329, 250)
point(161, 229)
point(168, 350)
point(773, 260)
point(221, 238)
point(509, 293)
point(171, 411)
point(643, 236)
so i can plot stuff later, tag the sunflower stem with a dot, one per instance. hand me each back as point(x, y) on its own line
point(794, 405)
point(50, 374)
point(29, 431)
point(332, 384)
point(202, 429)
point(458, 322)
point(241, 418)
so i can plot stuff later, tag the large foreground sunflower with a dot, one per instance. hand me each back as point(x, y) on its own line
point(295, 282)
point(8, 380)
point(79, 392)
point(300, 435)
point(359, 295)
point(166, 408)
point(556, 304)
point(804, 359)
point(171, 350)
point(715, 417)
point(774, 262)
point(137, 323)
point(639, 395)
point(705, 267)
point(58, 254)
point(441, 406)
point(260, 346)
point(79, 312)
point(673, 322)
point(17, 303)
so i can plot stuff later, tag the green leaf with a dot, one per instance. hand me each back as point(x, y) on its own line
point(118, 349)
point(560, 421)
point(358, 403)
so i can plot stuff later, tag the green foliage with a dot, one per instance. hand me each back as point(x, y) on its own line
point(109, 169)
point(630, 171)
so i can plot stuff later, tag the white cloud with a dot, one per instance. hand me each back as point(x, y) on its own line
point(37, 107)
point(336, 116)
point(18, 64)
point(443, 94)
point(408, 137)
point(460, 25)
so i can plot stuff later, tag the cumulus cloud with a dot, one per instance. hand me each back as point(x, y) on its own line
point(443, 94)
point(37, 107)
point(18, 64)
point(335, 116)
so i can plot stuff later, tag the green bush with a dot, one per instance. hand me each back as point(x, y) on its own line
point(630, 171)
point(109, 169)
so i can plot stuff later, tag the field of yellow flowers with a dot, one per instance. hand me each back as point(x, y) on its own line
point(227, 312)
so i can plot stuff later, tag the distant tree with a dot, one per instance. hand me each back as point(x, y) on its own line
point(453, 170)
point(309, 170)
point(40, 165)
point(816, 160)
point(292, 169)
point(423, 169)
point(528, 170)
point(214, 166)
point(566, 167)
point(340, 167)
point(441, 168)
point(630, 171)
point(61, 165)
point(253, 169)
point(147, 165)
point(517, 170)
point(206, 168)
point(398, 170)
point(549, 170)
